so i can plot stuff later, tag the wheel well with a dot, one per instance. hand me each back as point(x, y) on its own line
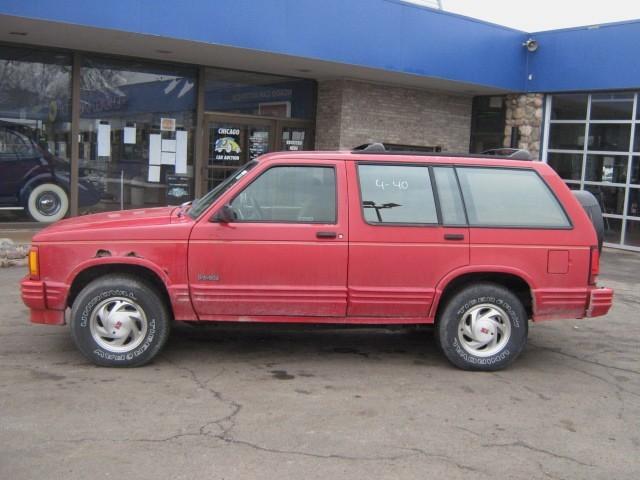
point(515, 284)
point(143, 273)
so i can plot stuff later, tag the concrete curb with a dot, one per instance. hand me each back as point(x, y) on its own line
point(12, 254)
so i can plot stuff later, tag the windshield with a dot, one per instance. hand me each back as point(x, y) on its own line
point(201, 204)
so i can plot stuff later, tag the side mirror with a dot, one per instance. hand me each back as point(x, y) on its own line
point(225, 214)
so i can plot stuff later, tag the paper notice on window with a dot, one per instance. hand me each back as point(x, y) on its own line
point(130, 135)
point(154, 173)
point(181, 152)
point(168, 124)
point(168, 145)
point(168, 158)
point(155, 151)
point(104, 140)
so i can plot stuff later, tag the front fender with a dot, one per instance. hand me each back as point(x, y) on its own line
point(178, 293)
point(118, 260)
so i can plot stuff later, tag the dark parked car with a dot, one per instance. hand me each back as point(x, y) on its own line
point(33, 179)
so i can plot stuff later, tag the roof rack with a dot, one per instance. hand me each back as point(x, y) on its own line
point(370, 147)
point(511, 153)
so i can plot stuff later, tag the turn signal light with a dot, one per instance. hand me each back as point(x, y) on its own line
point(34, 265)
point(594, 269)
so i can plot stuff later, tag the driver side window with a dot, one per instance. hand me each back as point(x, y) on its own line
point(285, 194)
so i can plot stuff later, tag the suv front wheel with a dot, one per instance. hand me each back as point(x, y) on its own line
point(483, 327)
point(119, 321)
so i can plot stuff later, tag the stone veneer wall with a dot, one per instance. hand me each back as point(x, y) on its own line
point(525, 112)
point(352, 112)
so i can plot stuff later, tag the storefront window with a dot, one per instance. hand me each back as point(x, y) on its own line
point(567, 136)
point(612, 230)
point(35, 106)
point(612, 106)
point(609, 137)
point(137, 128)
point(250, 93)
point(633, 206)
point(250, 114)
point(591, 142)
point(571, 106)
point(632, 235)
point(606, 168)
point(487, 123)
point(568, 165)
point(635, 171)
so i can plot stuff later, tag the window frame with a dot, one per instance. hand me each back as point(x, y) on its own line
point(291, 222)
point(464, 205)
point(569, 225)
point(434, 191)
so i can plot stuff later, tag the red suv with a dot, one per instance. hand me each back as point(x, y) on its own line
point(475, 245)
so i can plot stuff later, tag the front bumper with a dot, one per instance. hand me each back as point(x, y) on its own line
point(46, 301)
point(600, 302)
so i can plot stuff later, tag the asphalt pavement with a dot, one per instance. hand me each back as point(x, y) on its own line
point(261, 402)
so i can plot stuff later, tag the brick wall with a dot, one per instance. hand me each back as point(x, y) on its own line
point(352, 112)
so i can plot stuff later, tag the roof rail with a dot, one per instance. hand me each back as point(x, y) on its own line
point(515, 153)
point(509, 153)
point(370, 147)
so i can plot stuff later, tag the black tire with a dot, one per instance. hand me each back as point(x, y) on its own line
point(113, 298)
point(484, 299)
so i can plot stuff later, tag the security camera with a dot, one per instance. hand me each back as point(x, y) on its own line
point(531, 44)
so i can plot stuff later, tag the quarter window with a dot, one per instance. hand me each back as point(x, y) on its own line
point(496, 197)
point(290, 195)
point(397, 194)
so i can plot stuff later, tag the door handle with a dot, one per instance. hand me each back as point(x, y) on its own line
point(326, 234)
point(454, 236)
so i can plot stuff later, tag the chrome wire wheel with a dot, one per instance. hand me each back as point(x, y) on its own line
point(48, 203)
point(118, 324)
point(484, 330)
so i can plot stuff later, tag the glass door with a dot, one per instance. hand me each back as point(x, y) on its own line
point(295, 138)
point(231, 144)
point(233, 140)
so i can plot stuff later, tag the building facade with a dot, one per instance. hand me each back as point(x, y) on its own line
point(141, 104)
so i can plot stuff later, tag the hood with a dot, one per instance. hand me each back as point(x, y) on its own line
point(143, 223)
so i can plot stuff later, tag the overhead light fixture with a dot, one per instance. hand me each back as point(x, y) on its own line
point(530, 44)
point(19, 34)
point(165, 52)
point(303, 70)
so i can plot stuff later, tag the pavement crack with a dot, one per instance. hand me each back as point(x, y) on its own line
point(521, 444)
point(608, 382)
point(226, 423)
point(592, 362)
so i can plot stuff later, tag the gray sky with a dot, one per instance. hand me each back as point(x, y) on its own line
point(537, 15)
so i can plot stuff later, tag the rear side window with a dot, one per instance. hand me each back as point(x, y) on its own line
point(501, 197)
point(397, 194)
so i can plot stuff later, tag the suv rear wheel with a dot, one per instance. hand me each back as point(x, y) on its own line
point(119, 321)
point(483, 327)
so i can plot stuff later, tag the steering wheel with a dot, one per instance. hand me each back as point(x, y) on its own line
point(249, 209)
